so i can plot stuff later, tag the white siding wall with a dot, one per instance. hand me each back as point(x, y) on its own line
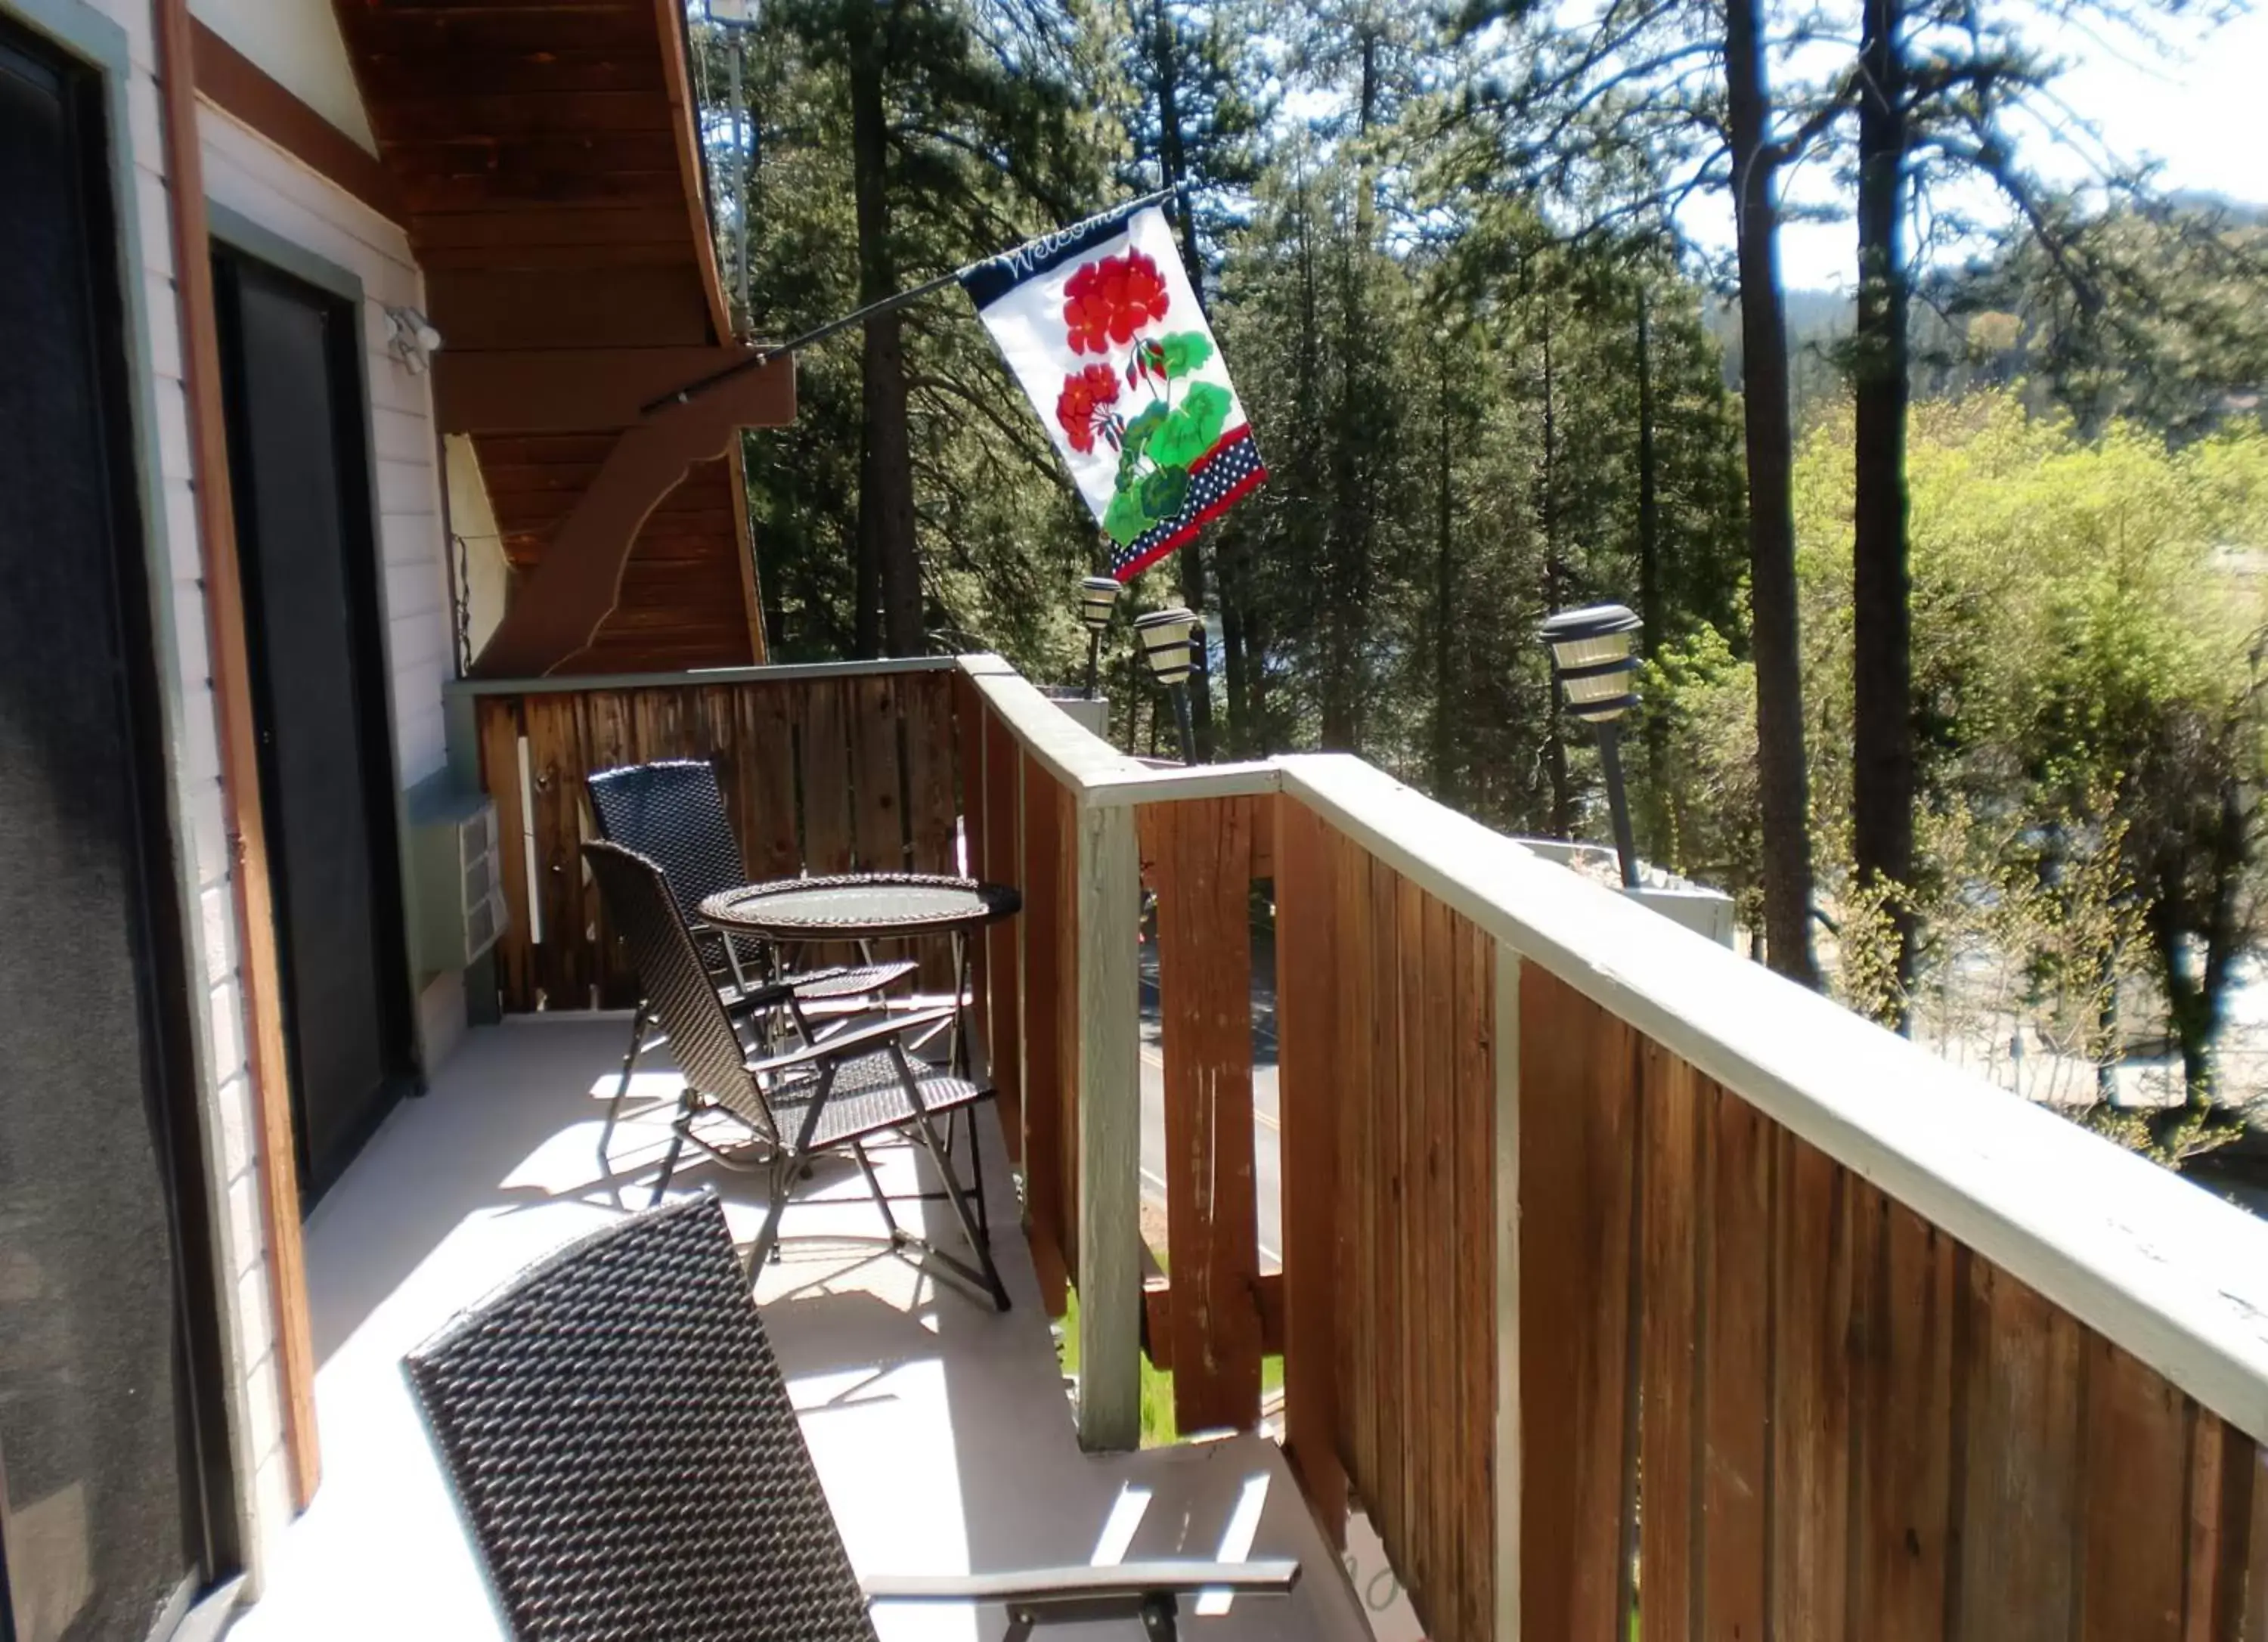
point(254, 1406)
point(297, 44)
point(260, 182)
point(263, 185)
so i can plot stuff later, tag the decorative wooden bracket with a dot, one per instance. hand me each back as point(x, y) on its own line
point(555, 610)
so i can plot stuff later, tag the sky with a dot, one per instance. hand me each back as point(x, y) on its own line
point(2202, 110)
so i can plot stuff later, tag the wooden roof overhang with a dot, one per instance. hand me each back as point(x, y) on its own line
point(548, 171)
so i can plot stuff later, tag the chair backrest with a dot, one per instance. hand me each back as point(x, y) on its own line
point(623, 1444)
point(679, 989)
point(673, 811)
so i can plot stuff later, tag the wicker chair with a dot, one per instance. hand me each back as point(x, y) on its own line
point(622, 1445)
point(832, 1095)
point(673, 811)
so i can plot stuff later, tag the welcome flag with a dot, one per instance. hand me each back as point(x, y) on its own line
point(1099, 324)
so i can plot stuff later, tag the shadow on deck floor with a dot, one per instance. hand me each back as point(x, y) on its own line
point(940, 1427)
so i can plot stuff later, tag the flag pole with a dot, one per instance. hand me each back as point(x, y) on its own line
point(763, 357)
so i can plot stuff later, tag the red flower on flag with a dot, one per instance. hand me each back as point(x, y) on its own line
point(1107, 301)
point(1084, 403)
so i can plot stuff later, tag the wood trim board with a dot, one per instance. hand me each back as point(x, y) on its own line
point(240, 89)
point(240, 798)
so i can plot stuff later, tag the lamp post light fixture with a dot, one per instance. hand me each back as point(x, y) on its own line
point(1169, 639)
point(1593, 652)
point(1098, 596)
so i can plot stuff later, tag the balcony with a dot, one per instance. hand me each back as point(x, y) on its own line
point(1618, 1277)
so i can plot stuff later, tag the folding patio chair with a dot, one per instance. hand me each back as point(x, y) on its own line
point(623, 1444)
point(835, 1094)
point(673, 811)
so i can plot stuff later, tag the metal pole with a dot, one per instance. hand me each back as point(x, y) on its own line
point(1093, 662)
point(1610, 758)
point(762, 356)
point(1187, 727)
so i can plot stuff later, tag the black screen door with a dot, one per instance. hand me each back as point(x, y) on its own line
point(297, 459)
point(102, 1329)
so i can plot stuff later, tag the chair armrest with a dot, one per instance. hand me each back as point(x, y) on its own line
point(1269, 1578)
point(759, 996)
point(855, 1040)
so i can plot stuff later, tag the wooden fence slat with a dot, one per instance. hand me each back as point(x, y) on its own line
point(1357, 1157)
point(1384, 1489)
point(499, 722)
point(967, 713)
point(764, 780)
point(2206, 1552)
point(2020, 1368)
point(823, 735)
point(659, 729)
point(1309, 1094)
point(930, 730)
point(1810, 1416)
point(1903, 1401)
point(2246, 1467)
point(1040, 928)
point(877, 799)
point(1203, 879)
point(1669, 1141)
point(609, 741)
point(2135, 1526)
point(1577, 1113)
point(1066, 1002)
point(1473, 1452)
point(555, 758)
point(1437, 1235)
point(1735, 1253)
point(1004, 863)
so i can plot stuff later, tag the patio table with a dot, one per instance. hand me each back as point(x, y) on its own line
point(868, 907)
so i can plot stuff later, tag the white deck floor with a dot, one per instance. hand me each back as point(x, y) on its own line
point(941, 1428)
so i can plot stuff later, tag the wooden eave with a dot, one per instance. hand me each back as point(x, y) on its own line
point(548, 167)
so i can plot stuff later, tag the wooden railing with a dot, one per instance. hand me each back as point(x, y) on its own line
point(825, 769)
point(1619, 1276)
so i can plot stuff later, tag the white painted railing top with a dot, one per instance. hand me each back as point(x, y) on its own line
point(2171, 1273)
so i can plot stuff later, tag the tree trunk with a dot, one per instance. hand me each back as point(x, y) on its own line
point(1781, 775)
point(1172, 157)
point(1234, 663)
point(1444, 597)
point(1547, 509)
point(885, 473)
point(1650, 605)
point(1193, 593)
point(1881, 661)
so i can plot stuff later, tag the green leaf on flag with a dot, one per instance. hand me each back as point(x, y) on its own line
point(1137, 434)
point(1190, 430)
point(1163, 492)
point(1123, 520)
point(1183, 351)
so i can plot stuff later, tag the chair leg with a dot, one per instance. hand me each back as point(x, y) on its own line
point(621, 1088)
point(954, 1194)
point(787, 1165)
point(767, 1238)
point(874, 1186)
point(976, 1175)
point(685, 1108)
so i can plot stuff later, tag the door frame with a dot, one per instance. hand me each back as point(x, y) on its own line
point(234, 231)
point(177, 970)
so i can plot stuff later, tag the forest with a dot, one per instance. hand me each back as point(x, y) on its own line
point(1955, 589)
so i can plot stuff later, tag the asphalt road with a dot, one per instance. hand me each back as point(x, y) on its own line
point(1266, 1179)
